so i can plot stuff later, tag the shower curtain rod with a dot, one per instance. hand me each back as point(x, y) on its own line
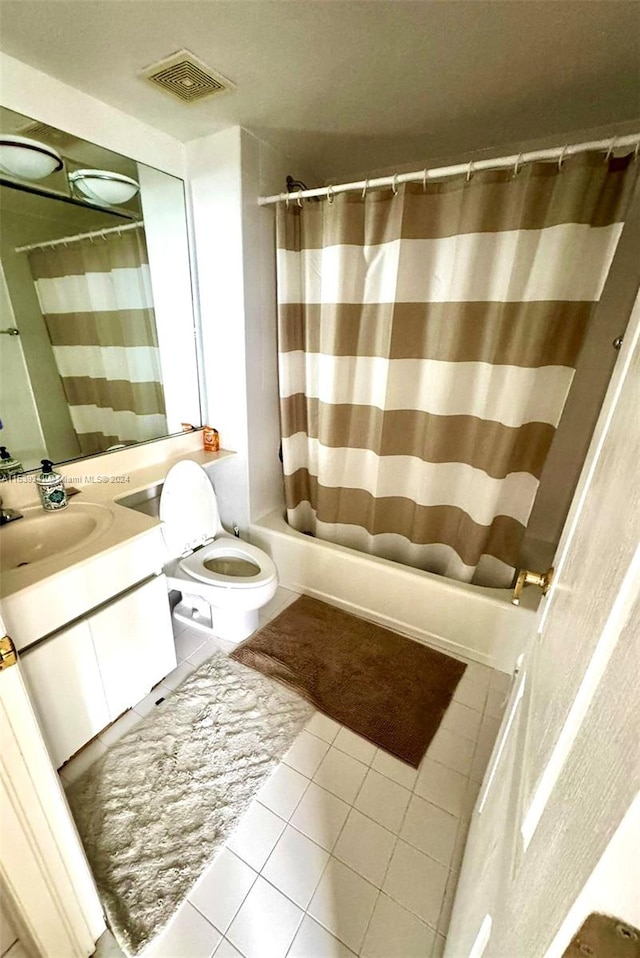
point(423, 176)
point(79, 236)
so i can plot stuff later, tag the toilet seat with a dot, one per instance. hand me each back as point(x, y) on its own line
point(227, 547)
point(192, 531)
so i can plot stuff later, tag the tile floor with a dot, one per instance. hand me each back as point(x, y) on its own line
point(346, 850)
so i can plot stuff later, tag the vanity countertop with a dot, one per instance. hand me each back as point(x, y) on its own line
point(129, 548)
point(103, 490)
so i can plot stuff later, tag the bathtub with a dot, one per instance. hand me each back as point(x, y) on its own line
point(476, 623)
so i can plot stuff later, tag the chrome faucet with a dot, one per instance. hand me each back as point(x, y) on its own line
point(8, 515)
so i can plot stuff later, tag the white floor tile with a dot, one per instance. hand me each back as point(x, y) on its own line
point(119, 728)
point(438, 946)
point(266, 923)
point(470, 799)
point(177, 677)
point(343, 903)
point(256, 836)
point(442, 786)
point(462, 720)
point(472, 687)
point(283, 790)
point(417, 882)
point(204, 652)
point(452, 750)
point(323, 727)
point(77, 766)
point(150, 701)
point(500, 681)
point(355, 745)
point(189, 935)
point(365, 847)
point(430, 829)
point(306, 753)
point(188, 642)
point(383, 800)
point(226, 950)
point(222, 889)
point(393, 768)
point(495, 704)
point(395, 933)
point(320, 816)
point(314, 941)
point(340, 774)
point(447, 904)
point(295, 866)
point(488, 732)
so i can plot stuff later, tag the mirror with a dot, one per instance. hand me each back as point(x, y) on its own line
point(97, 331)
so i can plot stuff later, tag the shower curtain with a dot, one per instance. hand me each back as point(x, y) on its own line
point(427, 341)
point(95, 296)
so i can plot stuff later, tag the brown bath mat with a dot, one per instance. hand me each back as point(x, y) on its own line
point(388, 688)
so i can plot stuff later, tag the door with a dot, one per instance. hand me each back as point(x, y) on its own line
point(44, 876)
point(566, 769)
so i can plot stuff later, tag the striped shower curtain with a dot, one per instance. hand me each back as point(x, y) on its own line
point(427, 344)
point(97, 304)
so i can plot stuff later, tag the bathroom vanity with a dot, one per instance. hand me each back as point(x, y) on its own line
point(84, 676)
point(83, 596)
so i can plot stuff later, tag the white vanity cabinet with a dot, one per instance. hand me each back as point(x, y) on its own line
point(64, 680)
point(134, 644)
point(83, 677)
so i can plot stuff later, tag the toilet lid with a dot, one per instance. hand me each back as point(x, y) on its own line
point(188, 508)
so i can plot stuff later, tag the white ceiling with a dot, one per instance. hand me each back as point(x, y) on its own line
point(345, 87)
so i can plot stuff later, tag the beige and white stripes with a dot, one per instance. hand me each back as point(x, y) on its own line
point(97, 304)
point(427, 346)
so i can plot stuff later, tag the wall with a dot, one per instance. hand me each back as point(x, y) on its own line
point(42, 97)
point(235, 266)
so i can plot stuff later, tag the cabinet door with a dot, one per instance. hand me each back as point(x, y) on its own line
point(134, 644)
point(64, 680)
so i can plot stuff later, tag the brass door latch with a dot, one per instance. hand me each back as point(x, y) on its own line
point(525, 577)
point(7, 653)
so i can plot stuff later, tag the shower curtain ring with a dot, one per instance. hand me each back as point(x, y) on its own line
point(394, 185)
point(424, 181)
point(286, 201)
point(516, 168)
point(299, 199)
point(610, 150)
point(636, 151)
point(366, 187)
point(330, 196)
point(470, 171)
point(561, 157)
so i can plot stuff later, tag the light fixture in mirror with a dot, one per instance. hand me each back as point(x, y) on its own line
point(28, 159)
point(102, 186)
point(101, 299)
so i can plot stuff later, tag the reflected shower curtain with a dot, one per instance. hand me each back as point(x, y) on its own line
point(427, 343)
point(97, 304)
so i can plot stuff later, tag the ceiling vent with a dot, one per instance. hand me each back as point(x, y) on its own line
point(186, 77)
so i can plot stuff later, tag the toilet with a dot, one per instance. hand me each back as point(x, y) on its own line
point(223, 580)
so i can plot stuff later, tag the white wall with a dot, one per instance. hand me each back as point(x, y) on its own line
point(215, 184)
point(44, 98)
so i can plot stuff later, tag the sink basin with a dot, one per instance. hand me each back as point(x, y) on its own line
point(39, 535)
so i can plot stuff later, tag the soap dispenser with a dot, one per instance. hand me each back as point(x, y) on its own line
point(8, 465)
point(51, 488)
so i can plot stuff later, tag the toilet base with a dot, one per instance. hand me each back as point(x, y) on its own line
point(232, 626)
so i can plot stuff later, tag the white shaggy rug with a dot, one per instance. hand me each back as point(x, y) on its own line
point(155, 809)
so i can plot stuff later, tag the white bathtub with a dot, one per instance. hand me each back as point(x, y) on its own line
point(468, 620)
